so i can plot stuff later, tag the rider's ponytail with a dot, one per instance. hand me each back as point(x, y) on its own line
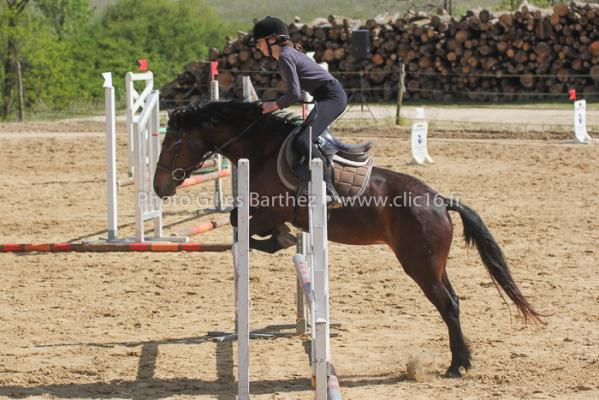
point(286, 41)
point(298, 47)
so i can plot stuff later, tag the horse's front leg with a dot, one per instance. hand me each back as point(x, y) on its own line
point(264, 223)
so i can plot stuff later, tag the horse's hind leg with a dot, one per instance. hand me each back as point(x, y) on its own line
point(428, 270)
point(457, 344)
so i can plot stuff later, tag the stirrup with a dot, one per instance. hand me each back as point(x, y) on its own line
point(333, 198)
point(333, 202)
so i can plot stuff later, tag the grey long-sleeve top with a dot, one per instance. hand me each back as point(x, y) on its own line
point(300, 73)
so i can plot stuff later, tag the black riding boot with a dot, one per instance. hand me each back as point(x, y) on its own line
point(302, 171)
point(333, 199)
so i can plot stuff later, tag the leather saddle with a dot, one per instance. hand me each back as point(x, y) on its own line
point(352, 163)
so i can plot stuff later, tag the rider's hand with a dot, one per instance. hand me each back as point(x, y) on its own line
point(269, 106)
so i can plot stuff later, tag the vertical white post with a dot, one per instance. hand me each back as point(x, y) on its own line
point(133, 99)
point(249, 93)
point(130, 101)
point(110, 157)
point(318, 234)
point(153, 155)
point(218, 183)
point(301, 322)
point(142, 172)
point(246, 90)
point(243, 281)
point(139, 176)
point(218, 186)
point(246, 97)
point(214, 93)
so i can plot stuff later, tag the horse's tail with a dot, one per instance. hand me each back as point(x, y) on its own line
point(475, 231)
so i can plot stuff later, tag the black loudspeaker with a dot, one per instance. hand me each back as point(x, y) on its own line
point(360, 43)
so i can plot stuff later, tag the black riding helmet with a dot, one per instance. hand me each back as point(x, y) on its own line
point(269, 26)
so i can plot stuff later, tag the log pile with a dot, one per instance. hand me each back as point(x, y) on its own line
point(528, 54)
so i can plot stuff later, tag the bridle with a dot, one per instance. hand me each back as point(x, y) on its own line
point(179, 174)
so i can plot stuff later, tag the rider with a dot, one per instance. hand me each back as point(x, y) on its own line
point(301, 73)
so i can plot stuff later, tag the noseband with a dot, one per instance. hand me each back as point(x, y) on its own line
point(179, 174)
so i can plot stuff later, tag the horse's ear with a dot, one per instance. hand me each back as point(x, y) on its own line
point(258, 107)
point(173, 117)
point(177, 117)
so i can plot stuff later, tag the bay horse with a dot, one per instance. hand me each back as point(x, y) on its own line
point(419, 233)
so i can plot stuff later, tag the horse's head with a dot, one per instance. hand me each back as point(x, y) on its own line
point(193, 134)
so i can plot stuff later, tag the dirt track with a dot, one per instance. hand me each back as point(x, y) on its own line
point(133, 325)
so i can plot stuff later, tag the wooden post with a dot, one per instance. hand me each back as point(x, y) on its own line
point(21, 111)
point(400, 92)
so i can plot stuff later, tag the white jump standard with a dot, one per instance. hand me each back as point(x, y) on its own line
point(143, 136)
point(313, 274)
point(241, 261)
point(317, 290)
point(146, 145)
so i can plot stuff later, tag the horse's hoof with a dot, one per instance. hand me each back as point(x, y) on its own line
point(286, 240)
point(453, 373)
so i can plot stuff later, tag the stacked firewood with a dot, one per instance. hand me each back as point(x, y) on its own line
point(528, 54)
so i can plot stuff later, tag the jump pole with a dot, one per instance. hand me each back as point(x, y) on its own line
point(213, 176)
point(205, 227)
point(207, 167)
point(110, 247)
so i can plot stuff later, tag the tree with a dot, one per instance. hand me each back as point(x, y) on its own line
point(62, 46)
point(168, 33)
point(10, 14)
point(67, 17)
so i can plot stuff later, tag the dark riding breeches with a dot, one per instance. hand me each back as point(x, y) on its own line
point(331, 100)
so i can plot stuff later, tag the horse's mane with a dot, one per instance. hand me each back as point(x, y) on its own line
point(230, 111)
